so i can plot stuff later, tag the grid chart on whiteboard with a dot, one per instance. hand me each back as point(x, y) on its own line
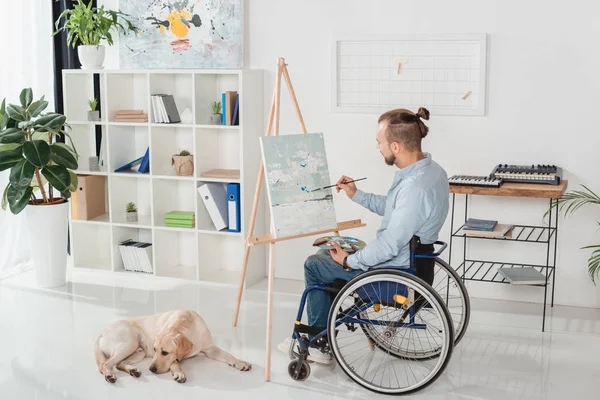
point(445, 76)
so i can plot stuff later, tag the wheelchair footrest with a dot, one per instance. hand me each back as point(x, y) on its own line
point(310, 330)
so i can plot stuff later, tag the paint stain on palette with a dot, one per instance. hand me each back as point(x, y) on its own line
point(350, 244)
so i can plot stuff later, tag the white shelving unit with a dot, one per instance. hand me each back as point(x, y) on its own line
point(201, 253)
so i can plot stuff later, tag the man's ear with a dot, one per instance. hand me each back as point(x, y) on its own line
point(184, 346)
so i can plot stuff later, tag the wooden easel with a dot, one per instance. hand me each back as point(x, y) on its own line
point(270, 239)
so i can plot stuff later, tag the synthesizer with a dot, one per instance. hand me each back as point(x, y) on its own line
point(472, 180)
point(549, 174)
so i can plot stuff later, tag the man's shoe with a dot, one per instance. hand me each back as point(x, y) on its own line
point(314, 355)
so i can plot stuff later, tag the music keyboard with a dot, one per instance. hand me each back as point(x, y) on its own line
point(549, 174)
point(474, 180)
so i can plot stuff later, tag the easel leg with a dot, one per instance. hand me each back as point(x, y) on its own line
point(269, 311)
point(288, 81)
point(259, 180)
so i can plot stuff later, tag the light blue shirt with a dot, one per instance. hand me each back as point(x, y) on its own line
point(416, 204)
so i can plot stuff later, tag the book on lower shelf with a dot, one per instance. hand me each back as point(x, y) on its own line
point(499, 231)
point(523, 276)
point(180, 219)
point(136, 256)
point(480, 224)
point(214, 197)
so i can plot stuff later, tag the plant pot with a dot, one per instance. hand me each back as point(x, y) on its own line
point(94, 115)
point(91, 57)
point(48, 232)
point(184, 165)
point(132, 216)
point(216, 119)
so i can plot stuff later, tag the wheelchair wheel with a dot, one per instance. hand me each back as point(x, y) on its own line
point(448, 284)
point(409, 328)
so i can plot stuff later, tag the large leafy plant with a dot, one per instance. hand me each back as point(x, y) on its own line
point(571, 202)
point(89, 25)
point(27, 149)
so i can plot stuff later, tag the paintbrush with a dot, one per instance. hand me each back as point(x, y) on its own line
point(330, 186)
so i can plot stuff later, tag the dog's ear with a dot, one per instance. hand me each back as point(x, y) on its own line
point(184, 346)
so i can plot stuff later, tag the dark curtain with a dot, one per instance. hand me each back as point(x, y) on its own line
point(65, 57)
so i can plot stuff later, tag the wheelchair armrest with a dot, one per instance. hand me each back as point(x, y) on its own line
point(435, 253)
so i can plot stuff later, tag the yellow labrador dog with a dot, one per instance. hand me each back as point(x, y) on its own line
point(168, 338)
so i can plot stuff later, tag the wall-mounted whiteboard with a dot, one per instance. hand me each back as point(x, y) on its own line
point(444, 73)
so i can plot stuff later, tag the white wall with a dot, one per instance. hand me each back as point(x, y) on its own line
point(542, 98)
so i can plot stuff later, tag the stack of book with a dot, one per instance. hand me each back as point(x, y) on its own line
point(522, 276)
point(231, 107)
point(136, 256)
point(131, 116)
point(164, 109)
point(180, 219)
point(487, 228)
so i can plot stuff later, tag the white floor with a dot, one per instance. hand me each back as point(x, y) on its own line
point(47, 336)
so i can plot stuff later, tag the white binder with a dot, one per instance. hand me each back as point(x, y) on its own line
point(214, 197)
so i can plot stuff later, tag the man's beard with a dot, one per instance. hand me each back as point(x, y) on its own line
point(391, 160)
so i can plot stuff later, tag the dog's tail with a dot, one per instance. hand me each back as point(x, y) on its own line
point(100, 357)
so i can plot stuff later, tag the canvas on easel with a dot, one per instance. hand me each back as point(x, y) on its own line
point(295, 165)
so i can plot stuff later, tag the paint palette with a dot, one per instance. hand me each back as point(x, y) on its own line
point(347, 243)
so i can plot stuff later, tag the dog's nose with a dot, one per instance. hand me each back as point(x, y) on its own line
point(153, 369)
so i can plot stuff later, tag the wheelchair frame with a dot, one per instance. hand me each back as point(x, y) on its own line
point(317, 337)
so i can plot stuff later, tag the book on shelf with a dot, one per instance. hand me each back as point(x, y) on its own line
point(522, 276)
point(131, 116)
point(222, 174)
point(143, 162)
point(230, 107)
point(479, 224)
point(180, 219)
point(499, 231)
point(136, 256)
point(164, 109)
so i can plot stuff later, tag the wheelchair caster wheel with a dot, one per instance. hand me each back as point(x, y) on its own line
point(299, 372)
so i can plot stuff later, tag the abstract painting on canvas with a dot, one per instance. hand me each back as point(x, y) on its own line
point(182, 34)
point(296, 165)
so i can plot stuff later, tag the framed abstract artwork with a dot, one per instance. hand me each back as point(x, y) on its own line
point(172, 34)
point(295, 167)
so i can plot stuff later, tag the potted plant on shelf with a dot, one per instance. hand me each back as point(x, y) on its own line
point(216, 118)
point(88, 26)
point(41, 176)
point(93, 114)
point(573, 200)
point(184, 163)
point(132, 215)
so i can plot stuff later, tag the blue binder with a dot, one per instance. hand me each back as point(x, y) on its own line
point(233, 209)
point(145, 165)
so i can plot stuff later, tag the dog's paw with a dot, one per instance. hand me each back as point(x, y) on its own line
point(179, 377)
point(241, 365)
point(135, 372)
point(110, 378)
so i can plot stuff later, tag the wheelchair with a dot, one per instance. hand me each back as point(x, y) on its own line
point(391, 330)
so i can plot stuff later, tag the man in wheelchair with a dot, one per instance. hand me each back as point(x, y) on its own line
point(415, 205)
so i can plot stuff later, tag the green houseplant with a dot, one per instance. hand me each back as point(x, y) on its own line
point(184, 163)
point(571, 202)
point(216, 117)
point(131, 211)
point(37, 165)
point(93, 114)
point(88, 26)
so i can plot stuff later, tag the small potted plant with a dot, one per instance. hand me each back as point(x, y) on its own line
point(93, 114)
point(216, 118)
point(184, 163)
point(88, 26)
point(132, 215)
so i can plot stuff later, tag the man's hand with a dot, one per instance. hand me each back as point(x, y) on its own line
point(338, 254)
point(349, 188)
